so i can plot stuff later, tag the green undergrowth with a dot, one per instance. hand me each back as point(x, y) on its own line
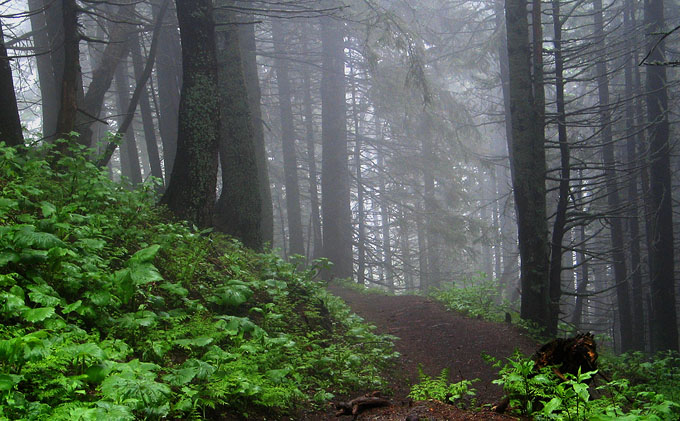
point(476, 297)
point(112, 311)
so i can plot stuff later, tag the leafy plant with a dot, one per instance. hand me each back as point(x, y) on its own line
point(440, 389)
point(110, 310)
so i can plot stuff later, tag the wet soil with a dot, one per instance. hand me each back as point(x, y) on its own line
point(434, 338)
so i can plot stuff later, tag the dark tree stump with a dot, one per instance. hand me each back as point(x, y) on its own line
point(566, 356)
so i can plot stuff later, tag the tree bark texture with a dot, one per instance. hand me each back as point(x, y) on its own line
point(252, 80)
point(316, 236)
point(337, 218)
point(10, 123)
point(239, 209)
point(169, 74)
point(565, 176)
point(632, 141)
point(665, 332)
point(528, 162)
point(66, 118)
point(48, 84)
point(129, 154)
point(612, 188)
point(191, 192)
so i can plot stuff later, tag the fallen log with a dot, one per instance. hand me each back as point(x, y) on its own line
point(566, 356)
point(357, 405)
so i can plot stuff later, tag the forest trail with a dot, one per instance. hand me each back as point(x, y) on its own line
point(431, 336)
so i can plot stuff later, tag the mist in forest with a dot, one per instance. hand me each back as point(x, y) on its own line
point(522, 150)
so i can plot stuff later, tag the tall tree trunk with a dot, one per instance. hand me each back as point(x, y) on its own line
point(249, 57)
point(633, 216)
point(423, 265)
point(71, 70)
point(509, 238)
point(317, 238)
point(10, 124)
point(145, 108)
point(48, 84)
point(169, 74)
point(361, 214)
point(661, 255)
point(384, 216)
point(293, 211)
point(191, 192)
point(239, 211)
point(565, 177)
point(528, 162)
point(337, 218)
point(129, 155)
point(611, 183)
point(431, 208)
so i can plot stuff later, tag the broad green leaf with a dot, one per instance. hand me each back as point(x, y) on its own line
point(9, 257)
point(8, 381)
point(200, 342)
point(145, 255)
point(27, 237)
point(175, 289)
point(48, 209)
point(144, 273)
point(552, 406)
point(44, 295)
point(71, 307)
point(38, 314)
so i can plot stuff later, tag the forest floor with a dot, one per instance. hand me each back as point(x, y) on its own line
point(434, 338)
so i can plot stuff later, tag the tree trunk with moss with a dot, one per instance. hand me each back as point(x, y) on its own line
point(191, 192)
point(239, 209)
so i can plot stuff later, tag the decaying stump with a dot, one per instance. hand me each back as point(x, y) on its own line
point(566, 356)
point(355, 406)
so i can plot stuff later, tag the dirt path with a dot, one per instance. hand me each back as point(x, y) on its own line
point(436, 338)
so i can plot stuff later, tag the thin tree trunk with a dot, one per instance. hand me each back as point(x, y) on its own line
point(129, 154)
point(293, 211)
point(565, 177)
point(638, 330)
point(313, 173)
point(145, 108)
point(48, 85)
point(249, 56)
point(169, 74)
point(337, 218)
point(361, 215)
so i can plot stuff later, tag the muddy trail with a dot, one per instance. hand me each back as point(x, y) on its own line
point(435, 338)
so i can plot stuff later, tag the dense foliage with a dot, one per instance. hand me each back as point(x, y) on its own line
point(111, 311)
point(642, 388)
